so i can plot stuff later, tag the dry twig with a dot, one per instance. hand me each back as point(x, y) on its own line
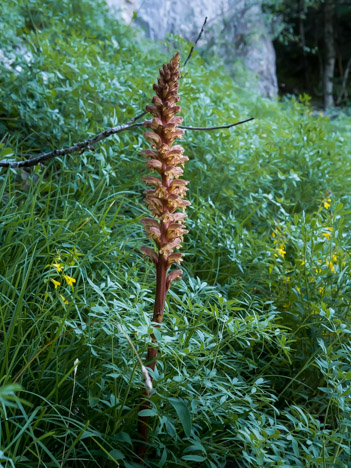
point(195, 43)
point(81, 146)
point(89, 144)
point(219, 127)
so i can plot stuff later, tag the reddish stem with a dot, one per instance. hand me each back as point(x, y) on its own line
point(160, 299)
point(161, 289)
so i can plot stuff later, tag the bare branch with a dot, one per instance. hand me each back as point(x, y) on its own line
point(81, 146)
point(216, 128)
point(197, 40)
point(89, 144)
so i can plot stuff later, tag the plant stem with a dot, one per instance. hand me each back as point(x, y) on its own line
point(160, 299)
point(161, 289)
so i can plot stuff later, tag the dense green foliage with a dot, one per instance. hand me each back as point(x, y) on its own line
point(255, 354)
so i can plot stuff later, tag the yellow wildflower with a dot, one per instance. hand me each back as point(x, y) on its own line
point(303, 262)
point(326, 205)
point(69, 280)
point(273, 234)
point(64, 299)
point(281, 251)
point(334, 258)
point(56, 283)
point(58, 266)
point(330, 265)
point(326, 234)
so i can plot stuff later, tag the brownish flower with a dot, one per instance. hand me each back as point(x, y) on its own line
point(167, 196)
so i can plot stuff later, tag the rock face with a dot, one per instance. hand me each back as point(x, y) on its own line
point(235, 30)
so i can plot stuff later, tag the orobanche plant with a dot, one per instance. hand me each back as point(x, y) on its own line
point(165, 200)
point(166, 227)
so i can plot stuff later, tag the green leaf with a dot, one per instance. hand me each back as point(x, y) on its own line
point(196, 458)
point(117, 454)
point(163, 459)
point(148, 412)
point(183, 414)
point(96, 288)
point(124, 437)
point(90, 433)
point(6, 152)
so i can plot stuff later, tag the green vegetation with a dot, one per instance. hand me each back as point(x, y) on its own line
point(254, 366)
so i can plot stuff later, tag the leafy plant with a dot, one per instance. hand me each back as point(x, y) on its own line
point(255, 338)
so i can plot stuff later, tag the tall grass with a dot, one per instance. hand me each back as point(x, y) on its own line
point(254, 351)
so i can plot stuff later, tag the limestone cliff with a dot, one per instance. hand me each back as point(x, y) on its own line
point(236, 29)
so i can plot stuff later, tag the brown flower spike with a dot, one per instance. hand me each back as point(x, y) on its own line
point(167, 196)
point(164, 200)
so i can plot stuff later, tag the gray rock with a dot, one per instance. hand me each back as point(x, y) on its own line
point(236, 32)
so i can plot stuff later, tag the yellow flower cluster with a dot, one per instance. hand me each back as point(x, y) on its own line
point(327, 234)
point(56, 283)
point(279, 243)
point(326, 203)
point(64, 299)
point(331, 266)
point(60, 266)
point(69, 280)
point(281, 251)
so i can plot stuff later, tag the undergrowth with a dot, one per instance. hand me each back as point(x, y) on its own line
point(254, 365)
